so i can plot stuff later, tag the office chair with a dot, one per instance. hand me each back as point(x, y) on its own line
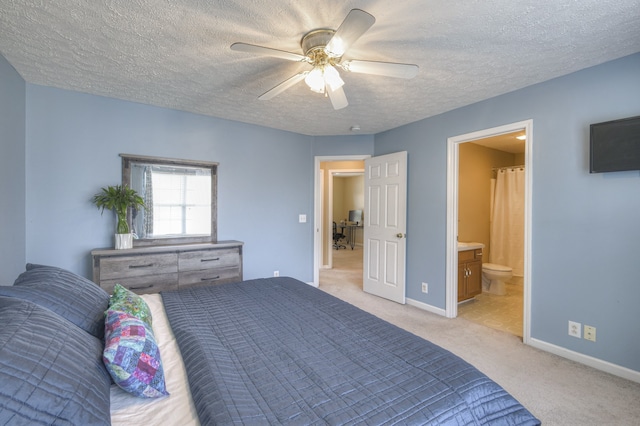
point(337, 236)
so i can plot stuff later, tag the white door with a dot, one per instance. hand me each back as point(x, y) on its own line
point(385, 201)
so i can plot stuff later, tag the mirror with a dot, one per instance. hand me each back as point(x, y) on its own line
point(180, 198)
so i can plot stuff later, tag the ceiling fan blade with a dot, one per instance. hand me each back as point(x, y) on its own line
point(270, 94)
point(389, 69)
point(354, 25)
point(267, 51)
point(338, 98)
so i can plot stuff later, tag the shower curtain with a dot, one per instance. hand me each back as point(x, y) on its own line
point(507, 219)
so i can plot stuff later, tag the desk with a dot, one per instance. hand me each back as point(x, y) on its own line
point(352, 231)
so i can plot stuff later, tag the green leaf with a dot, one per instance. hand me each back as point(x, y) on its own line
point(118, 198)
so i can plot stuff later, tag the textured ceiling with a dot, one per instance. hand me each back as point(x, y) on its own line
point(176, 53)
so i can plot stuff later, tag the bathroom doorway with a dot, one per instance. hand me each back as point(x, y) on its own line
point(475, 161)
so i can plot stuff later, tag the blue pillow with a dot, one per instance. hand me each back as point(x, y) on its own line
point(69, 295)
point(51, 371)
point(131, 355)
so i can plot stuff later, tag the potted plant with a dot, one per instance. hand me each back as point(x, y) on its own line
point(119, 198)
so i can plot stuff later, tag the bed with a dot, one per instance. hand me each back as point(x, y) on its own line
point(265, 351)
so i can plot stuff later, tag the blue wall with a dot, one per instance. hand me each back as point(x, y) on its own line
point(73, 141)
point(12, 177)
point(586, 227)
point(265, 177)
point(343, 145)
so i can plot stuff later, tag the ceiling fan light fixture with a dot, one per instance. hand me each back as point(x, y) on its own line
point(332, 78)
point(321, 76)
point(335, 48)
point(315, 80)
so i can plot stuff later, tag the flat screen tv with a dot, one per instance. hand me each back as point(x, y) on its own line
point(615, 145)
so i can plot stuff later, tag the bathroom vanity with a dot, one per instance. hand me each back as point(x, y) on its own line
point(469, 270)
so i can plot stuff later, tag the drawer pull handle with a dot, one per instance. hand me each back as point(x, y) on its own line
point(209, 279)
point(209, 260)
point(149, 265)
point(141, 287)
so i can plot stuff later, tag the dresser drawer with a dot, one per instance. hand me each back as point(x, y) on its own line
point(137, 266)
point(145, 284)
point(208, 259)
point(209, 276)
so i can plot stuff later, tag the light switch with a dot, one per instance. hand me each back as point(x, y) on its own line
point(302, 218)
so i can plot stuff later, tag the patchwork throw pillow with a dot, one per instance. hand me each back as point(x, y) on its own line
point(127, 301)
point(131, 355)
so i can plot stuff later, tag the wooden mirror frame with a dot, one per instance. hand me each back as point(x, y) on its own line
point(128, 159)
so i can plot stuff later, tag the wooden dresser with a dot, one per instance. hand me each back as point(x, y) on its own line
point(158, 268)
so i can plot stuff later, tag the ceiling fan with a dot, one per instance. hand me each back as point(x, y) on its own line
point(323, 50)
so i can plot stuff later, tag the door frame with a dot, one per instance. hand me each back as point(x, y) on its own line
point(453, 144)
point(317, 207)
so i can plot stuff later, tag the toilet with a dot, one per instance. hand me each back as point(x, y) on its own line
point(494, 277)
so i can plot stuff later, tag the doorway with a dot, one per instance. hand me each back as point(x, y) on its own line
point(454, 227)
point(322, 219)
point(345, 193)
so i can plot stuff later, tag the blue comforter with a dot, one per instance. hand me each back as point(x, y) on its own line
point(278, 351)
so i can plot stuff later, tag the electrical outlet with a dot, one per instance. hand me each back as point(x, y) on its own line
point(425, 288)
point(276, 273)
point(590, 333)
point(575, 329)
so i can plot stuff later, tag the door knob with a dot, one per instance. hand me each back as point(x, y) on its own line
point(400, 235)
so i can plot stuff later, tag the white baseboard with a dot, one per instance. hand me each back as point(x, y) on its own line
point(426, 307)
point(598, 364)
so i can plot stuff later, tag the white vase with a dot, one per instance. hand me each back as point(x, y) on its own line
point(124, 241)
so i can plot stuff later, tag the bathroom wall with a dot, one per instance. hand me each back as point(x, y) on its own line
point(474, 190)
point(519, 159)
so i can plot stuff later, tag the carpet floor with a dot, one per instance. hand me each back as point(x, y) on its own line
point(556, 390)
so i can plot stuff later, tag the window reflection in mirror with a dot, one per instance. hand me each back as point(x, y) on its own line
point(178, 201)
point(178, 195)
